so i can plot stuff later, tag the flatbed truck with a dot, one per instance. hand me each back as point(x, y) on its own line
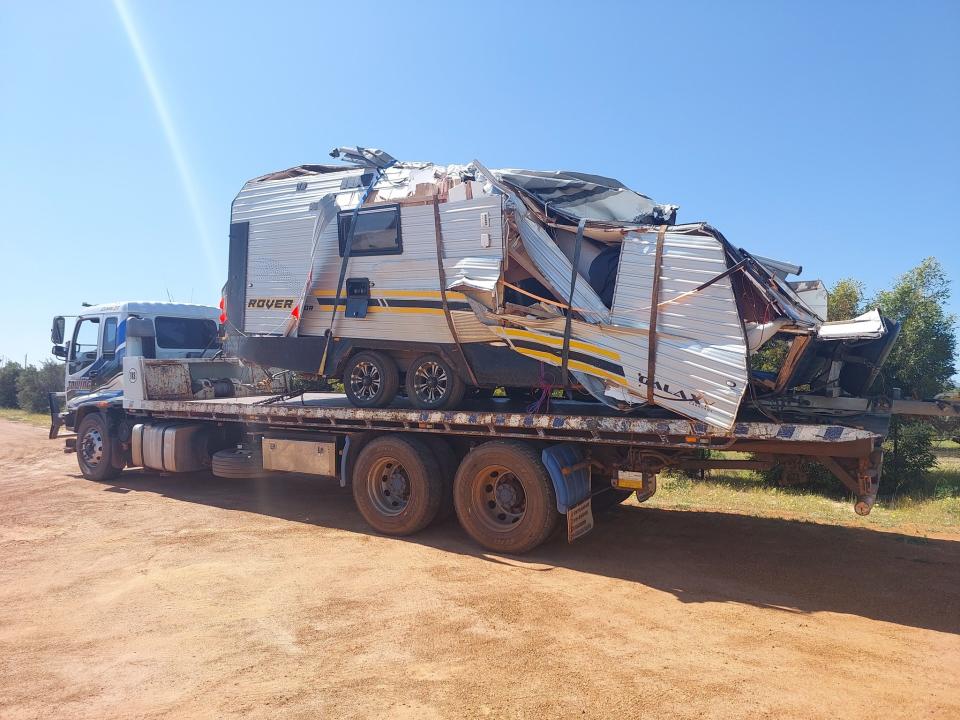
point(511, 475)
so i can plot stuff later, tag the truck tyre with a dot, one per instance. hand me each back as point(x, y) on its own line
point(447, 460)
point(95, 448)
point(504, 497)
point(237, 464)
point(371, 380)
point(397, 485)
point(432, 384)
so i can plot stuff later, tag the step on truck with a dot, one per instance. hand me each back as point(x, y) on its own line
point(511, 475)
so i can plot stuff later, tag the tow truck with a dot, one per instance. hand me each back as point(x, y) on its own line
point(147, 385)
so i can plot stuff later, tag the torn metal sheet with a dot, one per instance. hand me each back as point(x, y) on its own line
point(594, 197)
point(868, 326)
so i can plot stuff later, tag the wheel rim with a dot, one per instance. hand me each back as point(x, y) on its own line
point(430, 382)
point(388, 486)
point(365, 380)
point(91, 447)
point(499, 498)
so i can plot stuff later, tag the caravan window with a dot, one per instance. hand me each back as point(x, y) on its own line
point(377, 233)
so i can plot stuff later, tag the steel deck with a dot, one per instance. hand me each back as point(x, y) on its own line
point(567, 420)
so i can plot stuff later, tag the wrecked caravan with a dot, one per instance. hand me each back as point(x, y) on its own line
point(443, 278)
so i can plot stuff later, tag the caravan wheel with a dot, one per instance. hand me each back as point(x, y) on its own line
point(371, 380)
point(433, 385)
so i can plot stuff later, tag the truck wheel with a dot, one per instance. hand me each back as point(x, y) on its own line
point(396, 485)
point(433, 385)
point(370, 380)
point(504, 497)
point(447, 460)
point(237, 464)
point(95, 449)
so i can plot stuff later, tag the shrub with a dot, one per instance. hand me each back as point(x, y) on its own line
point(34, 383)
point(9, 372)
point(908, 458)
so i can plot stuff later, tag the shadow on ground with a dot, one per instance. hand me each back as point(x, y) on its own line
point(699, 557)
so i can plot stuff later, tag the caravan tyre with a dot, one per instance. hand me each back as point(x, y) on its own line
point(432, 384)
point(370, 380)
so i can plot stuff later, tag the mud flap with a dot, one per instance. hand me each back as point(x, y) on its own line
point(56, 422)
point(579, 520)
point(570, 474)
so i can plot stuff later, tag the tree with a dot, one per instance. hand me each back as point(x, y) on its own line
point(9, 372)
point(845, 299)
point(921, 362)
point(34, 384)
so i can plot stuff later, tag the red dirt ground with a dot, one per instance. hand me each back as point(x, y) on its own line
point(191, 596)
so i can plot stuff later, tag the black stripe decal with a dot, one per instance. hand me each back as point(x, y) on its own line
point(574, 355)
point(394, 302)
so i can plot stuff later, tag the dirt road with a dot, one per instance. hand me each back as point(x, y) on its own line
point(190, 596)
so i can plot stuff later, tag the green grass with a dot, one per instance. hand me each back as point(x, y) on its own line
point(744, 492)
point(31, 418)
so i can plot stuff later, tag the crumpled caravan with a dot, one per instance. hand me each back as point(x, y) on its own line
point(441, 278)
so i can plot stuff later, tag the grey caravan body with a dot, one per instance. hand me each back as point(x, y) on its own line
point(520, 278)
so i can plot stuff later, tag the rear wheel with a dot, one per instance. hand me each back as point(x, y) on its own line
point(397, 484)
point(432, 384)
point(371, 379)
point(447, 460)
point(504, 497)
point(95, 449)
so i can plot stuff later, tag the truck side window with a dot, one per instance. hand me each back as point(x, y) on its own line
point(83, 349)
point(108, 345)
point(175, 333)
point(377, 233)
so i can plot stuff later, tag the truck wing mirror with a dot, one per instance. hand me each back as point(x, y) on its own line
point(140, 328)
point(59, 351)
point(56, 331)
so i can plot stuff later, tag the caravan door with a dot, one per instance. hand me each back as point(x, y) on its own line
point(472, 242)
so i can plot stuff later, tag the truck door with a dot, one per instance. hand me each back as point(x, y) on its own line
point(84, 349)
point(92, 363)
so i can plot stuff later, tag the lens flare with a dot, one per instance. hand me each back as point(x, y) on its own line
point(172, 137)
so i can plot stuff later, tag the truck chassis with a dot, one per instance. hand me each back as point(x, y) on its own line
point(508, 473)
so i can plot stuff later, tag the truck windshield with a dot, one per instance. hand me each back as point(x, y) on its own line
point(175, 333)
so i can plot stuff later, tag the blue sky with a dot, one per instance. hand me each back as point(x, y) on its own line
point(820, 133)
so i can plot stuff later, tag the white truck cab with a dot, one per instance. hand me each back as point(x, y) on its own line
point(95, 349)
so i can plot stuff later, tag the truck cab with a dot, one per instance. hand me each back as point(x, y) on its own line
point(94, 350)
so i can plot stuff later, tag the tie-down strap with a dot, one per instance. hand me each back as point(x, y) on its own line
point(654, 312)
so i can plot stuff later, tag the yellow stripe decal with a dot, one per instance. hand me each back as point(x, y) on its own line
point(552, 359)
point(558, 342)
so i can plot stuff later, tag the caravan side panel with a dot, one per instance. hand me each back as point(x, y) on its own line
point(701, 349)
point(280, 241)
